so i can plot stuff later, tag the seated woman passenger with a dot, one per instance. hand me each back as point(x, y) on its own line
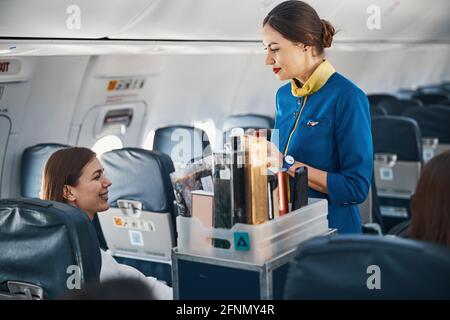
point(75, 176)
point(430, 205)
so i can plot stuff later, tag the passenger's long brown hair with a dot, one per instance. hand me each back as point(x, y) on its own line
point(430, 205)
point(64, 167)
point(298, 22)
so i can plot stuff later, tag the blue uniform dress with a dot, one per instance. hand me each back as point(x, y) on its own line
point(328, 128)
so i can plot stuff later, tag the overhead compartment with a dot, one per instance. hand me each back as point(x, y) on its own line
point(77, 19)
point(237, 20)
point(233, 20)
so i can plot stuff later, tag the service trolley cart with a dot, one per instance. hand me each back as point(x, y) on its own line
point(256, 264)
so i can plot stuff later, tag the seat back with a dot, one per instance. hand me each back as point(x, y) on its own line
point(405, 93)
point(32, 167)
point(370, 212)
point(397, 107)
point(430, 98)
point(46, 249)
point(433, 121)
point(368, 267)
point(433, 89)
point(400, 230)
point(365, 208)
point(401, 138)
point(141, 221)
point(181, 143)
point(376, 98)
point(376, 210)
point(247, 121)
point(397, 165)
point(445, 85)
point(376, 111)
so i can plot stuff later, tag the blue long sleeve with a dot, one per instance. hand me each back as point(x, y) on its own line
point(351, 183)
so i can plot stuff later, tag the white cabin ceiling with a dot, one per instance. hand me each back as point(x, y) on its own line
point(218, 20)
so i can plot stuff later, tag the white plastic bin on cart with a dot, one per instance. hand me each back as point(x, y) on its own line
point(254, 243)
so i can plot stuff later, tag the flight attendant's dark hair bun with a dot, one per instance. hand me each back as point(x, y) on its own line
point(327, 33)
point(298, 22)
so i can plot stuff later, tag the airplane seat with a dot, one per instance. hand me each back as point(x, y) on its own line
point(445, 86)
point(433, 121)
point(400, 230)
point(430, 98)
point(397, 107)
point(246, 122)
point(139, 227)
point(377, 218)
point(433, 89)
point(32, 167)
point(375, 99)
point(377, 111)
point(182, 143)
point(405, 93)
point(370, 212)
point(397, 164)
point(368, 267)
point(48, 248)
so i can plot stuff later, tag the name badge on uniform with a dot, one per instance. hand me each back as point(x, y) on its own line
point(312, 123)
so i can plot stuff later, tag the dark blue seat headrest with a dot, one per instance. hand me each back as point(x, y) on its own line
point(433, 88)
point(434, 121)
point(375, 99)
point(430, 98)
point(172, 141)
point(142, 175)
point(405, 93)
point(340, 267)
point(397, 135)
point(33, 163)
point(41, 239)
point(376, 111)
point(247, 121)
point(445, 86)
point(397, 107)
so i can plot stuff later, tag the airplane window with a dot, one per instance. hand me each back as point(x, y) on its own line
point(106, 144)
point(148, 142)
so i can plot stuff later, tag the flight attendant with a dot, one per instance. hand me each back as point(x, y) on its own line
point(322, 118)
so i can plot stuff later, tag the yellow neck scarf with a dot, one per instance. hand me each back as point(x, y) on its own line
point(318, 78)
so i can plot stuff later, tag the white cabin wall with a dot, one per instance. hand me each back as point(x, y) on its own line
point(258, 87)
point(390, 69)
point(197, 87)
point(52, 98)
point(181, 89)
point(41, 109)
